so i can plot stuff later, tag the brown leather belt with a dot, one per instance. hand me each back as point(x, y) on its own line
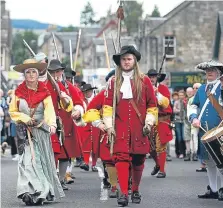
point(164, 118)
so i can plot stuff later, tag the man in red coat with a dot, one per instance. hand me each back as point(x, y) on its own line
point(136, 110)
point(71, 147)
point(90, 134)
point(163, 132)
point(94, 114)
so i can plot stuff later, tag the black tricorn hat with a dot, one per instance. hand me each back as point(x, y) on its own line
point(153, 72)
point(69, 73)
point(125, 50)
point(86, 87)
point(55, 65)
point(110, 74)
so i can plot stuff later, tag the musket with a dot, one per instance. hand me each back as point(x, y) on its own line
point(77, 49)
point(161, 67)
point(58, 57)
point(113, 42)
point(120, 16)
point(106, 53)
point(65, 101)
point(71, 56)
point(55, 45)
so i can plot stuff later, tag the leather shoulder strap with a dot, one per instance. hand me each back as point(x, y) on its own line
point(137, 111)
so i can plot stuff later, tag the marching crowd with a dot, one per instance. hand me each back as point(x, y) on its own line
point(49, 121)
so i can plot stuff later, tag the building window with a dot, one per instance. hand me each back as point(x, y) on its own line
point(171, 51)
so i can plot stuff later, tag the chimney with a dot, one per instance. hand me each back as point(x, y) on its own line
point(2, 7)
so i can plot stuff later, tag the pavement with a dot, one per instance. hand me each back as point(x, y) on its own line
point(178, 189)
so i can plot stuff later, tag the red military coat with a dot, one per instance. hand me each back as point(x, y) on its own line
point(72, 147)
point(54, 138)
point(164, 131)
point(90, 138)
point(103, 146)
point(129, 129)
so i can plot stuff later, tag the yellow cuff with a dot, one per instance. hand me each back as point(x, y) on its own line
point(107, 110)
point(91, 115)
point(163, 101)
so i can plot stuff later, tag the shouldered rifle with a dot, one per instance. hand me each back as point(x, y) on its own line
point(120, 15)
point(58, 57)
point(161, 67)
point(65, 101)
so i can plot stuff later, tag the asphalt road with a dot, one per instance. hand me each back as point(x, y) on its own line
point(178, 190)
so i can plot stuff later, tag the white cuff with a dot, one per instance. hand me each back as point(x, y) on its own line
point(97, 123)
point(150, 119)
point(159, 96)
point(80, 122)
point(79, 108)
point(107, 121)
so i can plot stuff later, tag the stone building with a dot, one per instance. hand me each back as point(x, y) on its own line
point(6, 37)
point(190, 30)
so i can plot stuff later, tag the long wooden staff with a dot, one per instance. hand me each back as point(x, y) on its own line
point(77, 50)
point(120, 15)
point(58, 57)
point(106, 52)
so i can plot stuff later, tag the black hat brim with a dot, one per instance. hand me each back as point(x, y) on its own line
point(55, 67)
point(160, 78)
point(117, 57)
point(92, 88)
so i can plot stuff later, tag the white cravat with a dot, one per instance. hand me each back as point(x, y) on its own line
point(126, 87)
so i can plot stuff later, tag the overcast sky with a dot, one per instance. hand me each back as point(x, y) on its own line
point(66, 12)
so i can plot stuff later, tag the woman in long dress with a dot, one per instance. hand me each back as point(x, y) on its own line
point(32, 109)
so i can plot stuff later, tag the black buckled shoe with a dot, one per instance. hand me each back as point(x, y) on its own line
point(209, 194)
point(123, 200)
point(64, 187)
point(94, 169)
point(84, 167)
point(106, 184)
point(27, 199)
point(156, 169)
point(136, 197)
point(220, 194)
point(161, 175)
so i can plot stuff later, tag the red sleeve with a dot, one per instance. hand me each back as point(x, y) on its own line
point(75, 95)
point(97, 101)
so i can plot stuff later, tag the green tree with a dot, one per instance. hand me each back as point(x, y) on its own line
point(155, 12)
point(132, 11)
point(87, 15)
point(70, 28)
point(19, 51)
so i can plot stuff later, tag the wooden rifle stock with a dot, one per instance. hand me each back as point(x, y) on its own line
point(65, 101)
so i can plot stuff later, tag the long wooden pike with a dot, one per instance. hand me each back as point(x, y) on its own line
point(55, 45)
point(120, 16)
point(77, 50)
point(71, 55)
point(106, 52)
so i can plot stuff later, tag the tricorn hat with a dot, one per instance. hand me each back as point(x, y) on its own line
point(30, 63)
point(128, 49)
point(55, 65)
point(110, 74)
point(69, 73)
point(86, 87)
point(210, 64)
point(153, 72)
